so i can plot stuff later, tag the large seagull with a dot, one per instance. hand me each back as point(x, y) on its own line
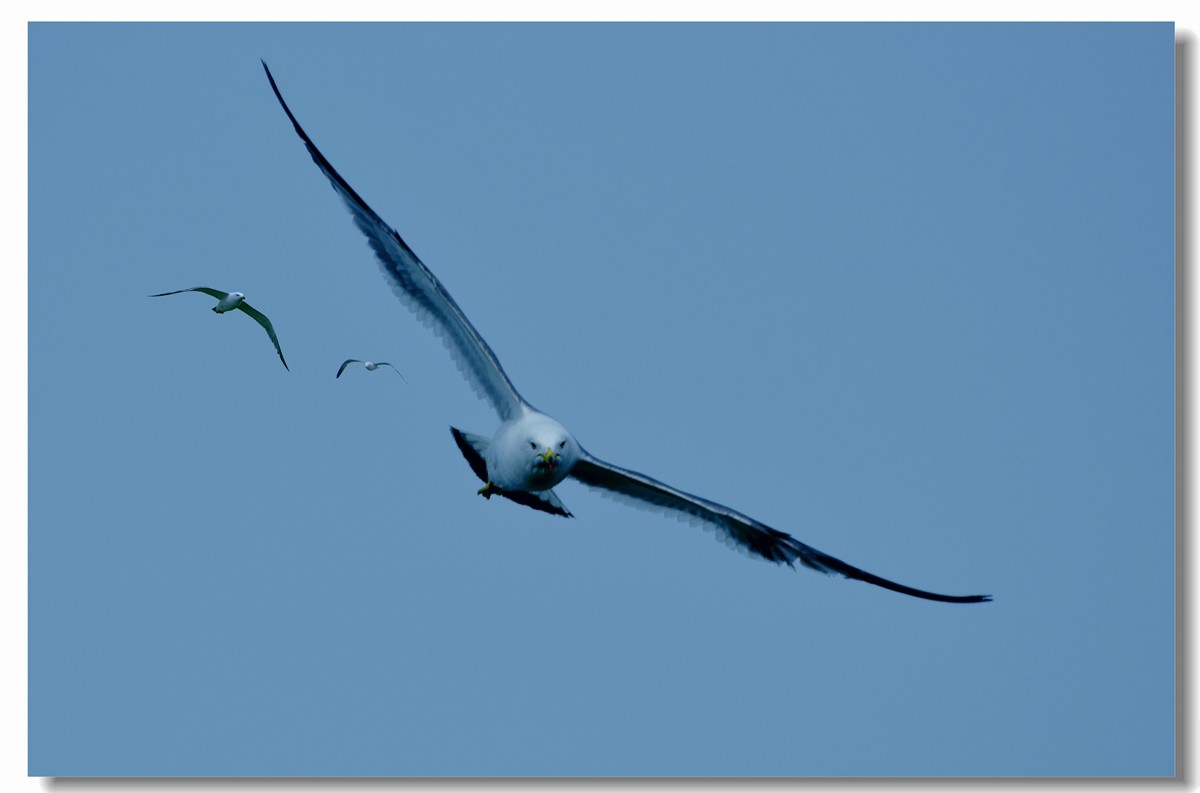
point(531, 452)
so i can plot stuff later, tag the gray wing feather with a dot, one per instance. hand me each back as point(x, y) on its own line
point(346, 363)
point(394, 369)
point(418, 289)
point(217, 293)
point(741, 530)
point(261, 319)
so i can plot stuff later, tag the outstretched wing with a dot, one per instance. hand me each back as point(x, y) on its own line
point(394, 369)
point(417, 288)
point(755, 537)
point(261, 319)
point(345, 363)
point(217, 293)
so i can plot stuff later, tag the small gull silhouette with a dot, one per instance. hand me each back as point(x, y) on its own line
point(228, 301)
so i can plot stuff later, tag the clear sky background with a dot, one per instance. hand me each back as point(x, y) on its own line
point(904, 292)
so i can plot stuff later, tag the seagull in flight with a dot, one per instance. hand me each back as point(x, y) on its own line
point(531, 452)
point(228, 301)
point(370, 366)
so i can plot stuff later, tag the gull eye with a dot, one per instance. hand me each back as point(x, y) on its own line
point(562, 445)
point(532, 445)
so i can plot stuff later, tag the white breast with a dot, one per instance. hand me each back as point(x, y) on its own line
point(531, 452)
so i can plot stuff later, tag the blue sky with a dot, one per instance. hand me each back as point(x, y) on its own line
point(904, 292)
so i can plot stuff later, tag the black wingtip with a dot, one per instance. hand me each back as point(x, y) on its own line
point(963, 599)
point(934, 596)
point(920, 593)
point(830, 564)
point(286, 109)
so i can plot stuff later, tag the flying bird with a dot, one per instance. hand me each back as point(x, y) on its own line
point(531, 452)
point(228, 301)
point(369, 365)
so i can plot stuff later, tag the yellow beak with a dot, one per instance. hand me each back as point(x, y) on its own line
point(549, 457)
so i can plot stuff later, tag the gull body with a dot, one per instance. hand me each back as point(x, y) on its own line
point(531, 452)
point(228, 301)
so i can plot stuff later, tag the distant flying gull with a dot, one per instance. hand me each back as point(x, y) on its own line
point(370, 366)
point(228, 301)
point(531, 452)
